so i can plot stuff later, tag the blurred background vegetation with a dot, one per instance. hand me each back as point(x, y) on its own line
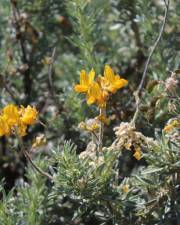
point(45, 43)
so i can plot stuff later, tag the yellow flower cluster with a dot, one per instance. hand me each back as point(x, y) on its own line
point(91, 125)
point(39, 141)
point(173, 124)
point(16, 119)
point(125, 188)
point(97, 91)
point(137, 150)
point(138, 153)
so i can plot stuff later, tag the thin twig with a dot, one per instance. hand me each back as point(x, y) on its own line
point(26, 154)
point(137, 92)
point(50, 79)
point(16, 16)
point(43, 124)
point(50, 71)
point(154, 47)
point(36, 167)
point(95, 135)
point(95, 139)
point(27, 79)
point(9, 90)
point(166, 3)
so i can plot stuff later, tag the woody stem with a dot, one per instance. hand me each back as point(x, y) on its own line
point(138, 91)
point(28, 157)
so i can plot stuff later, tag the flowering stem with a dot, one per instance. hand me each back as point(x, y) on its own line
point(101, 130)
point(95, 135)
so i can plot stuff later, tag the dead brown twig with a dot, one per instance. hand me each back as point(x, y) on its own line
point(36, 167)
point(28, 157)
point(20, 38)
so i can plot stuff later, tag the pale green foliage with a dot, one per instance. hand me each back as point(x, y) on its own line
point(25, 204)
point(94, 190)
point(84, 16)
point(90, 34)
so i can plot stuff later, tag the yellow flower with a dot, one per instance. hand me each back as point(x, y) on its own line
point(168, 128)
point(28, 115)
point(15, 120)
point(82, 126)
point(175, 123)
point(138, 153)
point(91, 125)
point(21, 129)
point(103, 119)
point(39, 141)
point(110, 81)
point(11, 115)
point(85, 81)
point(95, 95)
point(125, 188)
point(4, 127)
point(97, 91)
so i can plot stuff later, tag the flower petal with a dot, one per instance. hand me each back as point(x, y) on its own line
point(80, 88)
point(83, 78)
point(90, 99)
point(108, 73)
point(91, 76)
point(120, 83)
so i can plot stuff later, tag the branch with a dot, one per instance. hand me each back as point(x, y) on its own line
point(154, 47)
point(50, 73)
point(166, 3)
point(26, 154)
point(50, 80)
point(24, 58)
point(8, 89)
point(36, 167)
point(137, 92)
point(16, 17)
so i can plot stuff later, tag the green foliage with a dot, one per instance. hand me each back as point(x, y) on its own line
point(89, 187)
point(26, 204)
